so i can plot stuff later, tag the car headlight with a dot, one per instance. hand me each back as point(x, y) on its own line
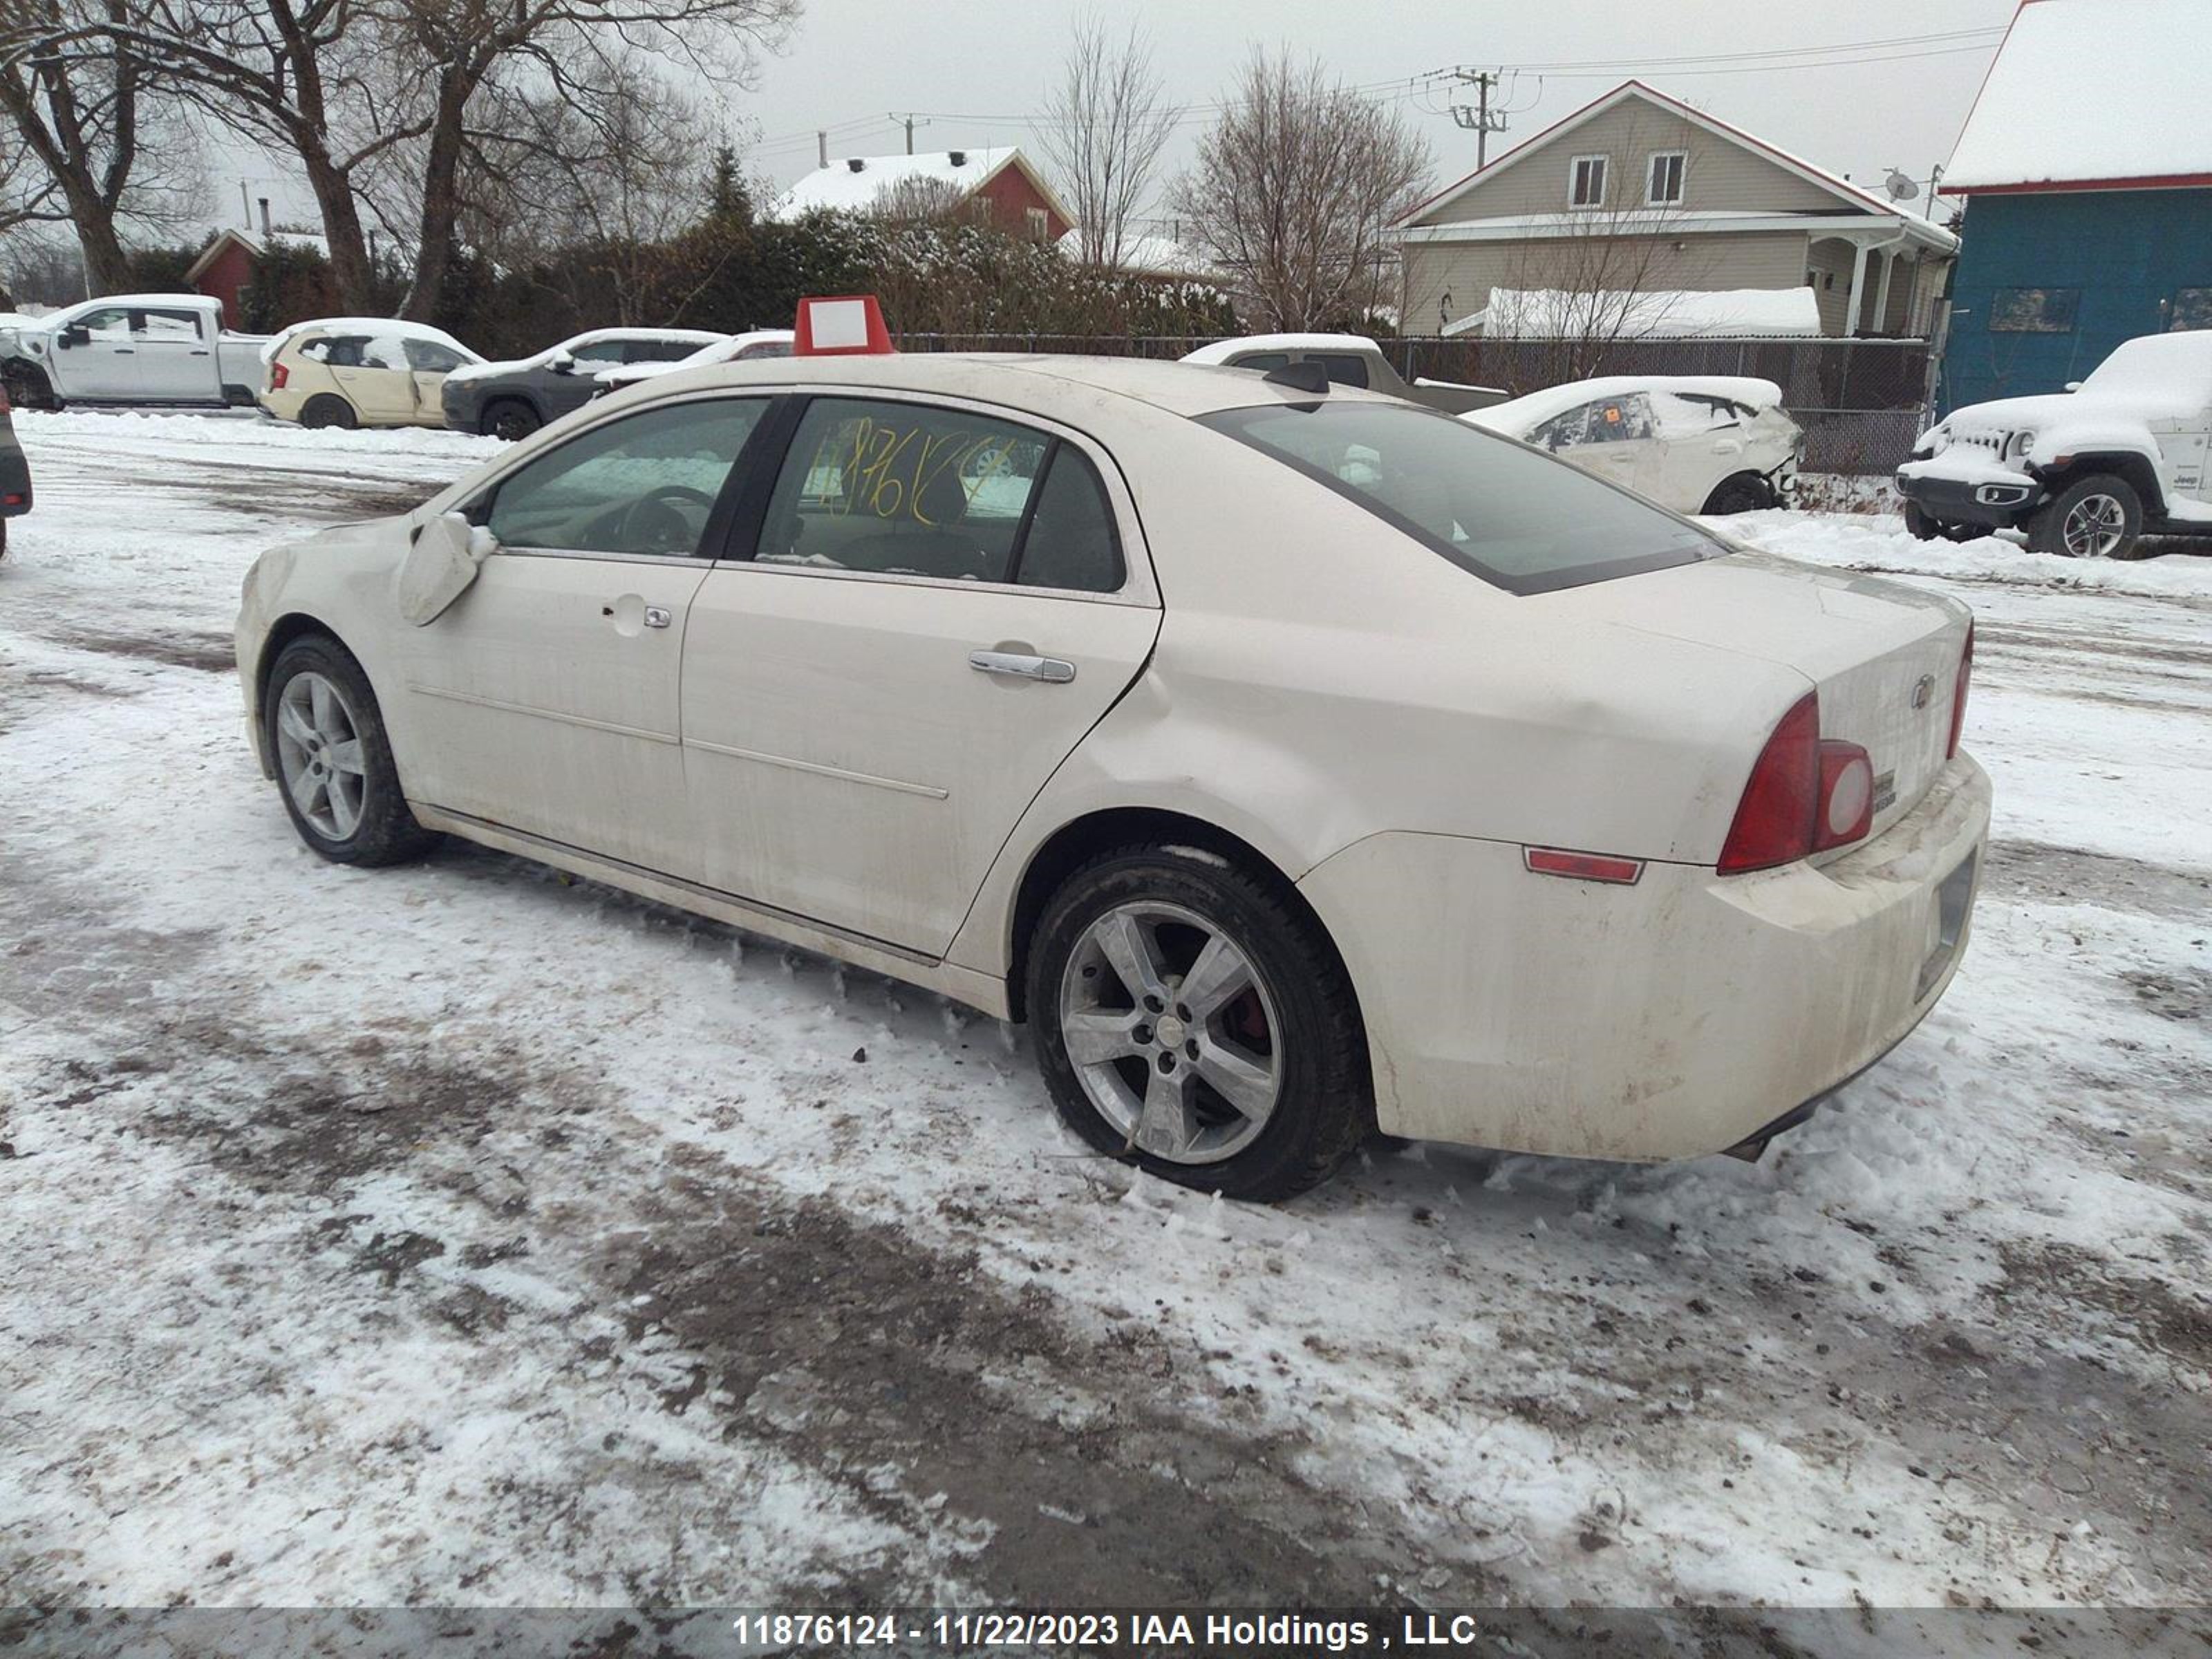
point(2017, 445)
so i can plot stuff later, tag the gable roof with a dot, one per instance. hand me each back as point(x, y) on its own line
point(254, 245)
point(1846, 192)
point(2029, 128)
point(855, 184)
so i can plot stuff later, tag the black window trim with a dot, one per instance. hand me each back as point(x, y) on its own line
point(1521, 587)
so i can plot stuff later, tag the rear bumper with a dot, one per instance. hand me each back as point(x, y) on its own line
point(1997, 501)
point(1681, 1016)
point(15, 483)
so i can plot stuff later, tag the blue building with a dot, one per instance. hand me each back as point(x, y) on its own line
point(2086, 165)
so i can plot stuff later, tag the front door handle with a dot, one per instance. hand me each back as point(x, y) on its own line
point(1022, 666)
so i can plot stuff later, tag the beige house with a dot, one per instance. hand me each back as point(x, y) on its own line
point(1638, 194)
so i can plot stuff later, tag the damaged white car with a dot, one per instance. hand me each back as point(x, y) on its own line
point(1698, 443)
point(1295, 761)
point(2084, 471)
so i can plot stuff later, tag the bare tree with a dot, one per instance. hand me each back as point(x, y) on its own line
point(1103, 130)
point(100, 149)
point(1295, 189)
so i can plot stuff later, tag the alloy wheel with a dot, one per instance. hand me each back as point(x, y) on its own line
point(1171, 1031)
point(2095, 526)
point(320, 755)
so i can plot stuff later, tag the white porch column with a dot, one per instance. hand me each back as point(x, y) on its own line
point(1882, 293)
point(1858, 288)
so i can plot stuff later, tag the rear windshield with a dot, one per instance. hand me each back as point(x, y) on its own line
point(1520, 519)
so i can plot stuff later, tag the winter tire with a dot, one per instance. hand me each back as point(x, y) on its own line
point(1194, 1019)
point(510, 420)
point(2095, 517)
point(1747, 492)
point(334, 766)
point(325, 410)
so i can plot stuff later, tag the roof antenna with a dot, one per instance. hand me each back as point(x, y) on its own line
point(1305, 375)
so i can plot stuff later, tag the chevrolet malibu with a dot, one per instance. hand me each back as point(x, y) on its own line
point(1295, 762)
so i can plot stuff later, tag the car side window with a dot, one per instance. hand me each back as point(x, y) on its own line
point(903, 489)
point(1265, 361)
point(604, 352)
point(428, 357)
point(660, 351)
point(1619, 420)
point(113, 324)
point(644, 485)
point(1072, 541)
point(1342, 367)
point(175, 325)
point(1563, 431)
point(343, 352)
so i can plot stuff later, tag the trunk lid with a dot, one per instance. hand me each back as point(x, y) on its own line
point(1884, 656)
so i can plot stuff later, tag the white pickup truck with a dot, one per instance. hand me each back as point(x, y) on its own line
point(145, 349)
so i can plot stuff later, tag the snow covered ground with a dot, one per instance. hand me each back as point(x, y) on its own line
point(463, 1233)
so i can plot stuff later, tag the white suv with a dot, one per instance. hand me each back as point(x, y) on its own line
point(2084, 471)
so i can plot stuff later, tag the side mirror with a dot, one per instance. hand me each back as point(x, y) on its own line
point(2073, 386)
point(440, 567)
point(562, 363)
point(75, 334)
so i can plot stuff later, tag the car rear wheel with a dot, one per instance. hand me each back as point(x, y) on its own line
point(334, 765)
point(510, 420)
point(327, 410)
point(1747, 492)
point(2098, 517)
point(1195, 1020)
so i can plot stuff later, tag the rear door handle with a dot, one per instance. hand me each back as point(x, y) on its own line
point(658, 615)
point(1022, 666)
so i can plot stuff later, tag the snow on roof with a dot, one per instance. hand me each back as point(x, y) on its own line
point(2031, 125)
point(855, 183)
point(1222, 351)
point(1527, 413)
point(690, 337)
point(2162, 374)
point(1538, 313)
point(380, 328)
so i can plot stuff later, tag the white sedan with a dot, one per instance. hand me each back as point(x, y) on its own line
point(1698, 443)
point(1297, 763)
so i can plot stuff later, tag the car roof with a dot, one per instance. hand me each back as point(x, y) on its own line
point(1536, 407)
point(1222, 351)
point(1059, 386)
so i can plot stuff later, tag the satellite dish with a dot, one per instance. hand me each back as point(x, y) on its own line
point(1900, 188)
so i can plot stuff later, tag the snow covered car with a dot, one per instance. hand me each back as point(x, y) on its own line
point(14, 473)
point(2083, 472)
point(737, 349)
point(512, 399)
point(359, 370)
point(1381, 773)
point(147, 350)
point(1696, 443)
point(1348, 360)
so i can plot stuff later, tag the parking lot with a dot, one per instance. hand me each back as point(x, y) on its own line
point(463, 1233)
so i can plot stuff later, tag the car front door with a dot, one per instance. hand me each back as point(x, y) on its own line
point(939, 605)
point(564, 386)
point(176, 360)
point(545, 698)
point(428, 365)
point(97, 357)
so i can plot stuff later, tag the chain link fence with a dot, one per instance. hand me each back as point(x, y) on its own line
point(1861, 402)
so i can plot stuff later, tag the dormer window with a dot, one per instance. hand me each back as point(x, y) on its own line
point(1662, 185)
point(1586, 187)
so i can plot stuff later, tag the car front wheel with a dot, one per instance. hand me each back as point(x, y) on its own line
point(511, 421)
point(1195, 1020)
point(2098, 517)
point(334, 764)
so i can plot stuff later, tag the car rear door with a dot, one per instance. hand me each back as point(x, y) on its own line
point(176, 356)
point(933, 606)
point(372, 372)
point(545, 698)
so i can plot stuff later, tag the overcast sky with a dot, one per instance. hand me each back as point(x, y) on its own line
point(976, 69)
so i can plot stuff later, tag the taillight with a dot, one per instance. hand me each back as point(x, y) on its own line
point(278, 374)
point(1959, 692)
point(1805, 796)
point(1774, 820)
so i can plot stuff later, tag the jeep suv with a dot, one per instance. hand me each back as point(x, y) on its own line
point(2084, 471)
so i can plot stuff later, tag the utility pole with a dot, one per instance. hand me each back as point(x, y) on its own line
point(909, 122)
point(1481, 118)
